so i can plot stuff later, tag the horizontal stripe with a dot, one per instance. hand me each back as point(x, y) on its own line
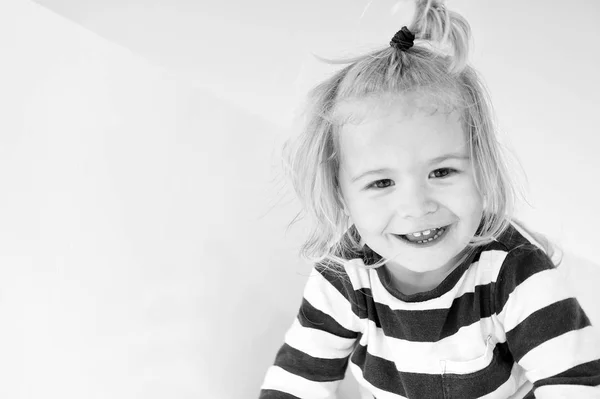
point(360, 299)
point(478, 274)
point(272, 394)
point(311, 317)
point(384, 375)
point(464, 366)
point(338, 279)
point(376, 392)
point(562, 353)
point(520, 264)
point(435, 324)
point(460, 312)
point(515, 387)
point(282, 381)
point(485, 381)
point(537, 292)
point(425, 325)
point(379, 372)
point(584, 374)
point(364, 304)
point(565, 316)
point(507, 390)
point(423, 357)
point(431, 325)
point(318, 343)
point(311, 368)
point(358, 274)
point(321, 294)
point(567, 391)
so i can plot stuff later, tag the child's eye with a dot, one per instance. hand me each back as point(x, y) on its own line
point(443, 172)
point(378, 185)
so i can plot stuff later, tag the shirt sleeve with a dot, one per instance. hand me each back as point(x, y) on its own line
point(547, 331)
point(314, 356)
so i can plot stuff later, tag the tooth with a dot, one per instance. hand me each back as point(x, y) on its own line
point(431, 239)
point(416, 234)
point(426, 232)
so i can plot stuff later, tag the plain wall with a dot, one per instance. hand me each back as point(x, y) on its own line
point(143, 242)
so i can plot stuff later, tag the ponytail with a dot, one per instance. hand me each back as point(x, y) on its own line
point(434, 23)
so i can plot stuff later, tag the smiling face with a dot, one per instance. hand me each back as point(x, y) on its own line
point(405, 168)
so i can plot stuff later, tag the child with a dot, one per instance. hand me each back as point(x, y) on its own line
point(424, 285)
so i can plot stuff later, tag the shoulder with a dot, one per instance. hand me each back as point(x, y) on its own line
point(516, 236)
point(522, 263)
point(514, 254)
point(524, 255)
point(350, 277)
point(350, 283)
point(524, 267)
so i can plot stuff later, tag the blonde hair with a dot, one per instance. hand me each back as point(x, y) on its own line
point(312, 160)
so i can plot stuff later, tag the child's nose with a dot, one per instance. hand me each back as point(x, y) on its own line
point(414, 201)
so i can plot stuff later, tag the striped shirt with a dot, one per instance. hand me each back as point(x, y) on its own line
point(501, 325)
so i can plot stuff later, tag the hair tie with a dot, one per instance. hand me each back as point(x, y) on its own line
point(403, 39)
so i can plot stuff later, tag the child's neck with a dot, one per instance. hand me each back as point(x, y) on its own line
point(409, 282)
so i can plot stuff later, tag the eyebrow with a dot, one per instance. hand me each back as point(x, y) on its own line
point(457, 156)
point(441, 158)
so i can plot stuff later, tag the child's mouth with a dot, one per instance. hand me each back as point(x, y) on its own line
point(425, 238)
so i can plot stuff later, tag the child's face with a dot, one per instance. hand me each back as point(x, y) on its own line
point(413, 187)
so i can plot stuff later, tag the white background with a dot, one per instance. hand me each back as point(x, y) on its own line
point(143, 242)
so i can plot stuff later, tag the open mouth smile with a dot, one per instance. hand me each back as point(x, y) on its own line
point(424, 238)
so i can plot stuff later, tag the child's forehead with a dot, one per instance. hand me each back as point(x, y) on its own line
point(417, 127)
point(354, 111)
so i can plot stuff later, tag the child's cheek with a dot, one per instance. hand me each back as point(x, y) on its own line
point(372, 215)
